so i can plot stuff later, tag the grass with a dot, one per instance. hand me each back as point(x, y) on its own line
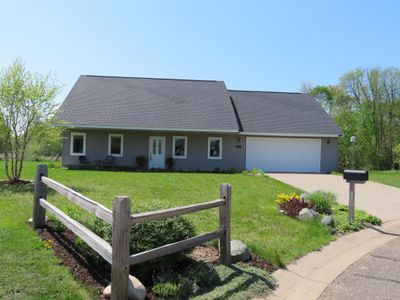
point(28, 269)
point(390, 177)
point(255, 221)
point(239, 282)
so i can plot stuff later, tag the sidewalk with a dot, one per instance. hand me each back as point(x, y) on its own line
point(310, 275)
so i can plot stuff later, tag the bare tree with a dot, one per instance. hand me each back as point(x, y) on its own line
point(26, 101)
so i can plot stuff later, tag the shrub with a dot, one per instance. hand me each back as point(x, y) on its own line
point(141, 161)
point(181, 288)
point(149, 235)
point(292, 207)
point(321, 201)
point(169, 162)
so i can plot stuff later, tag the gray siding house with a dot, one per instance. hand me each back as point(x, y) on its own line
point(199, 123)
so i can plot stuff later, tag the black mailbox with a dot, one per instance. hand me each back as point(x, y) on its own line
point(355, 175)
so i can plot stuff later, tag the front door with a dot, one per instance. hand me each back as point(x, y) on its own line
point(157, 152)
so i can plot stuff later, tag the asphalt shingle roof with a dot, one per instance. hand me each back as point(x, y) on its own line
point(179, 104)
point(149, 103)
point(281, 113)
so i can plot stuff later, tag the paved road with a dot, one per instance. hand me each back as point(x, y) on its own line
point(378, 199)
point(374, 276)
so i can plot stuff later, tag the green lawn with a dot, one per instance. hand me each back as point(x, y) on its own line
point(255, 221)
point(389, 177)
point(29, 270)
point(386, 177)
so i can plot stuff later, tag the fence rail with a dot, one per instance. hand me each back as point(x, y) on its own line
point(121, 220)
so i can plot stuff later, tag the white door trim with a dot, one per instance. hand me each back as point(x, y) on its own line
point(269, 154)
point(157, 161)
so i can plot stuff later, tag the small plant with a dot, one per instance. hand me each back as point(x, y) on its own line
point(283, 197)
point(141, 162)
point(256, 172)
point(321, 201)
point(292, 207)
point(49, 244)
point(361, 219)
point(165, 290)
point(170, 162)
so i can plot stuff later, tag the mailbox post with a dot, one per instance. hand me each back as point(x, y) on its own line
point(353, 177)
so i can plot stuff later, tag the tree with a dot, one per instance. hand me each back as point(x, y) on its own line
point(26, 103)
point(366, 103)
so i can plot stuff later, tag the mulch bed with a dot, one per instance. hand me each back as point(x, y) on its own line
point(17, 182)
point(93, 275)
point(96, 276)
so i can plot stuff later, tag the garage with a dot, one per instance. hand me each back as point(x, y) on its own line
point(283, 154)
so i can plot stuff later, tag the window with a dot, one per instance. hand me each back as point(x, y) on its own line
point(214, 148)
point(179, 147)
point(116, 145)
point(78, 143)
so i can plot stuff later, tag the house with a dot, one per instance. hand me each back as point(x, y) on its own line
point(199, 123)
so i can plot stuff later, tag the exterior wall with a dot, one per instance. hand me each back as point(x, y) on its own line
point(329, 155)
point(136, 143)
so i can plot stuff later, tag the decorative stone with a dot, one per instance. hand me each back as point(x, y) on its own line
point(239, 251)
point(327, 220)
point(136, 290)
point(315, 213)
point(305, 214)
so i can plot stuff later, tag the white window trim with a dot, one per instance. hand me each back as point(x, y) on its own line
point(73, 134)
point(220, 146)
point(122, 144)
point(174, 138)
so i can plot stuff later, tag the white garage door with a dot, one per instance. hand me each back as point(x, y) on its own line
point(283, 154)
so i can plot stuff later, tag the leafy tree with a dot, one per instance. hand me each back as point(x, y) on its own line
point(366, 103)
point(26, 103)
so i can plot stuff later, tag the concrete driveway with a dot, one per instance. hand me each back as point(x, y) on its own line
point(375, 198)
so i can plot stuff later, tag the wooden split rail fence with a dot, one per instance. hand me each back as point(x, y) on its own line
point(121, 220)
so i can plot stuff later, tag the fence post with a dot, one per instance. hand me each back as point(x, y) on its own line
point(120, 248)
point(39, 213)
point(225, 221)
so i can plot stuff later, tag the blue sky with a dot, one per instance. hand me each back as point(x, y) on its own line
point(259, 45)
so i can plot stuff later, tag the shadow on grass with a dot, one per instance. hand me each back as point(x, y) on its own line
point(16, 188)
point(232, 288)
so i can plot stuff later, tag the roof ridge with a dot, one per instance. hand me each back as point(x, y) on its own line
point(152, 78)
point(272, 92)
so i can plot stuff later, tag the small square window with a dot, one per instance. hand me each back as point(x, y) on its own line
point(78, 143)
point(115, 144)
point(214, 148)
point(179, 147)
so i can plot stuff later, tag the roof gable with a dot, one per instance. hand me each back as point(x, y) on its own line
point(149, 103)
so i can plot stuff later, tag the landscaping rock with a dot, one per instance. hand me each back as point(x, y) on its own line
point(239, 251)
point(306, 214)
point(327, 220)
point(136, 290)
point(315, 213)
